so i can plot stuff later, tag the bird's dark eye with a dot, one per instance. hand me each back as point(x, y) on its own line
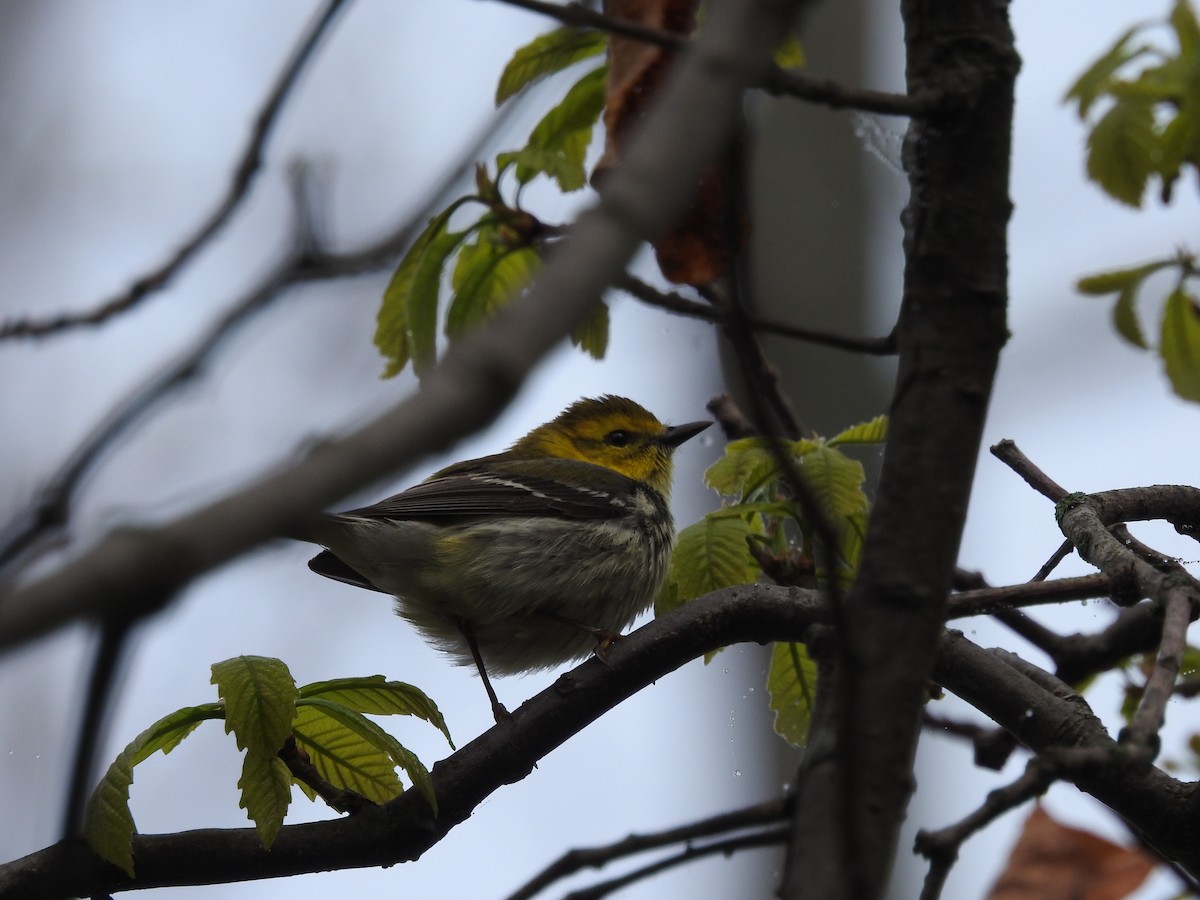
point(618, 438)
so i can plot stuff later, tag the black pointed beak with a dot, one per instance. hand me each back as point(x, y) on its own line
point(677, 434)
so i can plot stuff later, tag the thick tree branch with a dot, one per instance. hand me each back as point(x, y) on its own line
point(243, 176)
point(135, 572)
point(949, 333)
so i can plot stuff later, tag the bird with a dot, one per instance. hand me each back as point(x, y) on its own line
point(527, 559)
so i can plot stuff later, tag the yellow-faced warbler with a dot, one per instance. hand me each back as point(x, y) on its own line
point(529, 558)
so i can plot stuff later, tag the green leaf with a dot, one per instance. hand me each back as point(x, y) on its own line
point(343, 757)
point(708, 555)
point(558, 144)
point(260, 696)
point(546, 54)
point(1125, 317)
point(1099, 75)
point(1121, 150)
point(748, 468)
point(487, 275)
point(835, 479)
point(108, 824)
point(378, 739)
point(376, 695)
point(591, 335)
point(1180, 344)
point(413, 288)
point(1119, 279)
point(792, 684)
point(1187, 29)
point(872, 432)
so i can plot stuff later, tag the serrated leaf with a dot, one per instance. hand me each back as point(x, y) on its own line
point(1121, 150)
point(1180, 344)
point(836, 480)
point(343, 757)
point(591, 335)
point(108, 824)
point(872, 432)
point(546, 54)
point(379, 739)
point(376, 695)
point(487, 275)
point(708, 555)
point(260, 704)
point(558, 144)
point(421, 303)
point(748, 467)
point(1098, 76)
point(792, 684)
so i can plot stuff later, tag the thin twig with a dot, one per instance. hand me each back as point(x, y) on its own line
point(992, 600)
point(674, 302)
point(1010, 454)
point(777, 80)
point(1150, 713)
point(941, 847)
point(596, 857)
point(243, 176)
point(1065, 549)
point(728, 846)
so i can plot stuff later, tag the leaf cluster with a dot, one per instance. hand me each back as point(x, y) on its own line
point(761, 530)
point(264, 709)
point(1179, 331)
point(1151, 127)
point(499, 252)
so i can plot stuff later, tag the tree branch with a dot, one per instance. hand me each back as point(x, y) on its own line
point(239, 187)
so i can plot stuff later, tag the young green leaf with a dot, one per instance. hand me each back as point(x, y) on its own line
point(591, 335)
point(792, 683)
point(872, 432)
point(1099, 75)
point(1187, 29)
point(558, 144)
point(421, 303)
point(1125, 317)
point(836, 479)
point(748, 467)
point(711, 554)
point(376, 695)
point(1119, 279)
point(1180, 344)
point(108, 824)
point(343, 756)
point(260, 704)
point(488, 274)
point(376, 737)
point(789, 54)
point(546, 54)
point(1122, 149)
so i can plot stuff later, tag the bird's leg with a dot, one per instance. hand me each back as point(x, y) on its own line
point(604, 638)
point(499, 712)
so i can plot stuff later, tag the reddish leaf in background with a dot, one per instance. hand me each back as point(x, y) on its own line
point(697, 249)
point(1051, 860)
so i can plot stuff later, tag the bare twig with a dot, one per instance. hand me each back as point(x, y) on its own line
point(1148, 718)
point(941, 847)
point(987, 601)
point(243, 177)
point(776, 81)
point(576, 860)
point(727, 847)
point(672, 301)
point(1065, 549)
point(1010, 454)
